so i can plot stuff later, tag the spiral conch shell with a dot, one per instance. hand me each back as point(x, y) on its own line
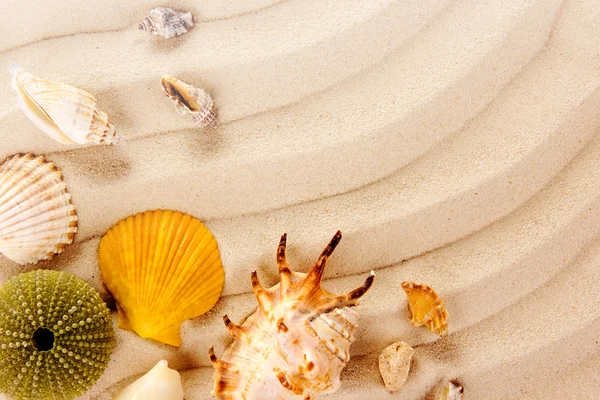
point(167, 23)
point(426, 307)
point(37, 218)
point(65, 113)
point(161, 382)
point(163, 268)
point(190, 100)
point(296, 343)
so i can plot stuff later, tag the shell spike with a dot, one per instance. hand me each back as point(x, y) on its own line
point(349, 299)
point(213, 357)
point(262, 296)
point(284, 269)
point(236, 331)
point(312, 282)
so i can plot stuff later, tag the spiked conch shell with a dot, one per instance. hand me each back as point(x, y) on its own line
point(37, 218)
point(161, 382)
point(296, 343)
point(453, 390)
point(426, 308)
point(65, 113)
point(162, 267)
point(167, 23)
point(190, 100)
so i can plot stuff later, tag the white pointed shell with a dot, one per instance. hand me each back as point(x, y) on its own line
point(37, 218)
point(65, 113)
point(296, 344)
point(190, 100)
point(452, 390)
point(167, 23)
point(161, 382)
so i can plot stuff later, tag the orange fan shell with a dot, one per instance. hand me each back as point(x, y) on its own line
point(426, 307)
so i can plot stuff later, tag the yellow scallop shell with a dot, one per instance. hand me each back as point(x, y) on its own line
point(163, 268)
point(426, 307)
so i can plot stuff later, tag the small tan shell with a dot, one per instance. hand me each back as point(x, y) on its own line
point(37, 218)
point(296, 344)
point(426, 307)
point(453, 390)
point(394, 365)
point(65, 113)
point(190, 100)
point(167, 23)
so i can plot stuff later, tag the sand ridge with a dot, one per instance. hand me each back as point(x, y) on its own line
point(471, 131)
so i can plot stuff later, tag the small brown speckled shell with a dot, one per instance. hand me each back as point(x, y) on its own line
point(426, 307)
point(296, 343)
point(167, 23)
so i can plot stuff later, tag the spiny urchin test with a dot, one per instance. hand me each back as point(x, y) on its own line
point(56, 336)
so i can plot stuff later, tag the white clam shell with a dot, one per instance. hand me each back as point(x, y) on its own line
point(37, 218)
point(65, 113)
point(167, 22)
point(190, 100)
point(160, 383)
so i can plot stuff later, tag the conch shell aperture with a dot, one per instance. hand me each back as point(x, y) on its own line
point(190, 100)
point(65, 113)
point(37, 217)
point(296, 343)
point(163, 267)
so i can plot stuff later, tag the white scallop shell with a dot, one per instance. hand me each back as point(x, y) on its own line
point(190, 100)
point(296, 343)
point(161, 382)
point(65, 113)
point(37, 218)
point(167, 23)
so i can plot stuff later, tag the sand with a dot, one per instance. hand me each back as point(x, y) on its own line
point(454, 143)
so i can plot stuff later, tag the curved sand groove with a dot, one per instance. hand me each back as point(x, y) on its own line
point(62, 19)
point(501, 216)
point(482, 68)
point(552, 223)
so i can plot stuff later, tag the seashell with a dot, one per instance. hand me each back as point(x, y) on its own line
point(167, 23)
point(37, 218)
point(394, 365)
point(161, 382)
point(65, 113)
point(426, 308)
point(163, 268)
point(453, 390)
point(190, 100)
point(296, 343)
point(56, 336)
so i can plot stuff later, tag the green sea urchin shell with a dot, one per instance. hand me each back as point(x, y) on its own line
point(56, 336)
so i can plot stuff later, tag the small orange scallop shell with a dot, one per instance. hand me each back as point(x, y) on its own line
point(426, 307)
point(163, 268)
point(453, 390)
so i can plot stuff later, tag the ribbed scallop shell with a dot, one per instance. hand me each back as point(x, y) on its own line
point(453, 390)
point(162, 267)
point(190, 100)
point(296, 343)
point(65, 113)
point(167, 23)
point(37, 218)
point(426, 307)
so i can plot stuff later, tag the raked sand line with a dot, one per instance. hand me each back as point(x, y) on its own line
point(383, 203)
point(57, 20)
point(481, 68)
point(552, 223)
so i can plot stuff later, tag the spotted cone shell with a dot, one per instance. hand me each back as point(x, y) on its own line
point(37, 218)
point(296, 343)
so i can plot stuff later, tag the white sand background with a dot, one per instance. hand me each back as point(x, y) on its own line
point(455, 143)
